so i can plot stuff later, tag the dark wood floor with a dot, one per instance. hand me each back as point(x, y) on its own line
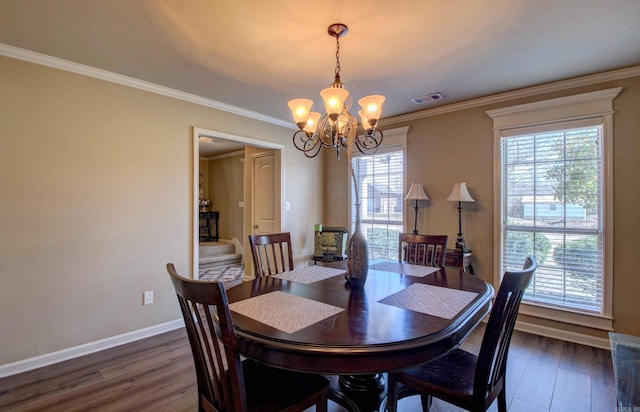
point(157, 374)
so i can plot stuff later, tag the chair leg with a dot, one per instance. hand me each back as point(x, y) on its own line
point(395, 392)
point(392, 394)
point(502, 401)
point(426, 401)
point(322, 406)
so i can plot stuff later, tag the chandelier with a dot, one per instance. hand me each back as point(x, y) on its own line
point(337, 127)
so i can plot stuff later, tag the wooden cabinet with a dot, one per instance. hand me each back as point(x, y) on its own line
point(207, 220)
point(459, 259)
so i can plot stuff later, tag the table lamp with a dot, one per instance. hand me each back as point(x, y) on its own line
point(416, 192)
point(460, 194)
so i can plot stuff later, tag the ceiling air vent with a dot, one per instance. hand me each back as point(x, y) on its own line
point(428, 98)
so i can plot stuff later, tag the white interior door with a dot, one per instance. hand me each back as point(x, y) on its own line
point(264, 197)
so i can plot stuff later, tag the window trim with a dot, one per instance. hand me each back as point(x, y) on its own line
point(564, 109)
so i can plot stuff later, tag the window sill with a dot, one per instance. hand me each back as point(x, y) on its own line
point(594, 321)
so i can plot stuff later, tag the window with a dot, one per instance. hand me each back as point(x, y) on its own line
point(380, 181)
point(555, 203)
point(551, 208)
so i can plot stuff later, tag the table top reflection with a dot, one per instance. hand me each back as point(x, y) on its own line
point(366, 335)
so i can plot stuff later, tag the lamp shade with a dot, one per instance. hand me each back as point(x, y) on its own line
point(460, 193)
point(300, 110)
point(312, 122)
point(334, 98)
point(372, 108)
point(416, 192)
point(363, 118)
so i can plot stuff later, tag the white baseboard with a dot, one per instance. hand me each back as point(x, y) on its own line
point(87, 348)
point(563, 335)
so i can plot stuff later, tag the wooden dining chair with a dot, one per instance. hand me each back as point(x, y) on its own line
point(427, 250)
point(271, 253)
point(461, 378)
point(225, 383)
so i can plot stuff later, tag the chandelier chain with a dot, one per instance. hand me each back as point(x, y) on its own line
point(337, 72)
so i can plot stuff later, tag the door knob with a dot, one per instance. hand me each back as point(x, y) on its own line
point(255, 226)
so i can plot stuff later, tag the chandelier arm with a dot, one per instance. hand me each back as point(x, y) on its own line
point(325, 132)
point(304, 141)
point(369, 143)
point(366, 150)
point(375, 136)
point(313, 152)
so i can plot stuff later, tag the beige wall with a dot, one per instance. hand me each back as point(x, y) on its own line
point(306, 208)
point(203, 168)
point(458, 146)
point(96, 197)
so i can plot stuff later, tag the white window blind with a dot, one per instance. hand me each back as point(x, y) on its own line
point(551, 206)
point(380, 180)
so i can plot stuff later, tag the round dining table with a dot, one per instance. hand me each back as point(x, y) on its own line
point(396, 321)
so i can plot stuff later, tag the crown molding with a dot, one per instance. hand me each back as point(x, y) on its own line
point(66, 65)
point(520, 93)
point(57, 63)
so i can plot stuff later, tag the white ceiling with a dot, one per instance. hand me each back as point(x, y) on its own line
point(257, 55)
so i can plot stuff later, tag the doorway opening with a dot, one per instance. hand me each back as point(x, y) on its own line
point(231, 157)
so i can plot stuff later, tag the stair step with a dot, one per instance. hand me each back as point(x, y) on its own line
point(216, 249)
point(219, 260)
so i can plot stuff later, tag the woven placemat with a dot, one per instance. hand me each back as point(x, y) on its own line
point(310, 274)
point(285, 312)
point(405, 268)
point(431, 300)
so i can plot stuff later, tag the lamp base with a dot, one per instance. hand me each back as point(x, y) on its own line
point(460, 246)
point(415, 219)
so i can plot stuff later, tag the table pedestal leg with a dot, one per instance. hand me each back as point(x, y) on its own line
point(343, 400)
point(362, 383)
point(365, 390)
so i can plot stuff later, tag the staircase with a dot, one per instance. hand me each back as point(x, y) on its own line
point(221, 253)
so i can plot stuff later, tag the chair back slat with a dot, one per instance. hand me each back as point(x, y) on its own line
point(492, 359)
point(427, 250)
point(213, 343)
point(271, 253)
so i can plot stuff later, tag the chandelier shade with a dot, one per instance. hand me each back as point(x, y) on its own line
point(334, 98)
point(371, 109)
point(312, 122)
point(337, 128)
point(300, 108)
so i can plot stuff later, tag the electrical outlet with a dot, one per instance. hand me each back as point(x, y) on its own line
point(147, 297)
